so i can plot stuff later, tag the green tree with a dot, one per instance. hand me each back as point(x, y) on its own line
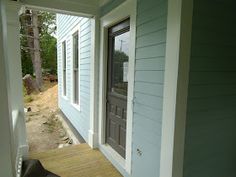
point(46, 25)
point(26, 62)
point(49, 53)
point(119, 58)
point(48, 42)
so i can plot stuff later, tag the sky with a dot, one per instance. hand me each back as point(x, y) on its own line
point(122, 42)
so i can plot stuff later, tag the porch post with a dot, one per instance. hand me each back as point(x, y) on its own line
point(94, 73)
point(178, 48)
point(6, 158)
point(15, 74)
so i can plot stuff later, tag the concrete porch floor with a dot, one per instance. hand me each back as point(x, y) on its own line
point(76, 161)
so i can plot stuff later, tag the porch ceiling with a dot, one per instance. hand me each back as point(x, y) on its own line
point(86, 8)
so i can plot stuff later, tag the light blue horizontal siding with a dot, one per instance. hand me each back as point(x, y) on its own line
point(147, 112)
point(150, 76)
point(210, 140)
point(151, 64)
point(148, 86)
point(150, 38)
point(151, 51)
point(79, 119)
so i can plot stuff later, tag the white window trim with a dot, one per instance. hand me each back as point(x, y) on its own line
point(178, 51)
point(125, 10)
point(64, 39)
point(73, 31)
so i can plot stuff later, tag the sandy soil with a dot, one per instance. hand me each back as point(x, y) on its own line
point(44, 130)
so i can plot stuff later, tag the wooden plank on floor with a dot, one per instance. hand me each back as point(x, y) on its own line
point(76, 161)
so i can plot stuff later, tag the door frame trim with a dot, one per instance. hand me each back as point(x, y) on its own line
point(125, 10)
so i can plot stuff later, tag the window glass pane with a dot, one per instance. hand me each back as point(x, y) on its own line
point(64, 66)
point(76, 88)
point(76, 67)
point(120, 62)
point(64, 54)
point(76, 52)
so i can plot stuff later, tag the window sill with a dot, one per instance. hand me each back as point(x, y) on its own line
point(65, 97)
point(76, 106)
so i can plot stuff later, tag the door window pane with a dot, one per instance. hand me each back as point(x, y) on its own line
point(120, 62)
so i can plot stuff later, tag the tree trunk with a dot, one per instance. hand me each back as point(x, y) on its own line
point(30, 34)
point(30, 84)
point(37, 58)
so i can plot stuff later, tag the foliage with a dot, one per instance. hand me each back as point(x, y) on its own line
point(119, 58)
point(118, 70)
point(24, 90)
point(49, 53)
point(28, 99)
point(48, 23)
point(27, 66)
point(47, 28)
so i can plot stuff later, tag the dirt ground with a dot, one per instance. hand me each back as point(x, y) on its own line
point(44, 130)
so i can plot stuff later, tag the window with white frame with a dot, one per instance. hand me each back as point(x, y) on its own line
point(64, 66)
point(76, 64)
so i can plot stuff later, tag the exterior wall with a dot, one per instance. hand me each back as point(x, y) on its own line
point(210, 127)
point(80, 119)
point(148, 88)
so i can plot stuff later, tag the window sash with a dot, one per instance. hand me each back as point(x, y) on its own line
point(64, 54)
point(64, 66)
point(76, 50)
point(76, 87)
point(76, 68)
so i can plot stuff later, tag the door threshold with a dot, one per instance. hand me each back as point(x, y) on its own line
point(116, 159)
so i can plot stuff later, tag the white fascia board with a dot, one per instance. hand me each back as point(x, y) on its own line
point(79, 7)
